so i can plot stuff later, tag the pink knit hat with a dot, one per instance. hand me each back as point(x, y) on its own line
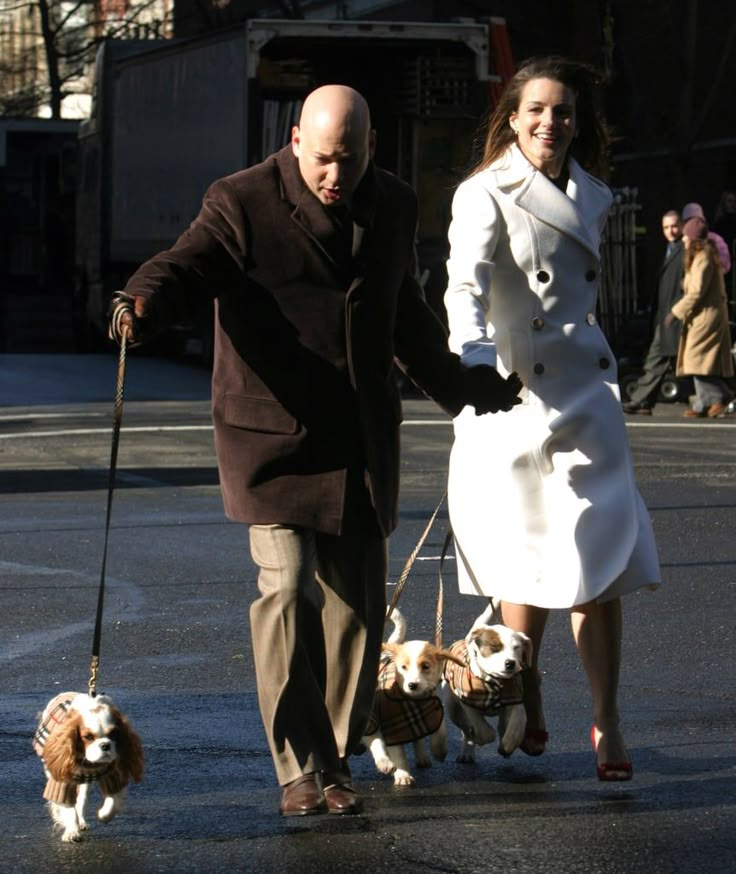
point(692, 210)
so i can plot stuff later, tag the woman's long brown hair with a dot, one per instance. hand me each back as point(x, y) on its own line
point(589, 146)
point(696, 245)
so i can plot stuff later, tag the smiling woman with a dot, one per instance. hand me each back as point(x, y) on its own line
point(545, 124)
point(556, 88)
point(543, 502)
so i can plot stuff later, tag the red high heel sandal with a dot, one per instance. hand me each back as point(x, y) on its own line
point(611, 772)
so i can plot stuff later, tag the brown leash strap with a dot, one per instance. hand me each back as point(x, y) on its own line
point(412, 558)
point(117, 421)
point(441, 591)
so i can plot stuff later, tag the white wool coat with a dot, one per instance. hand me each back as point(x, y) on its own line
point(542, 500)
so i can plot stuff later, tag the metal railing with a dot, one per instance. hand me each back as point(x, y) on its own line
point(618, 297)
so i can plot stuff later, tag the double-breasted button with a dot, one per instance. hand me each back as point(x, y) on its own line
point(537, 323)
point(539, 368)
point(543, 276)
point(604, 364)
point(590, 319)
point(591, 275)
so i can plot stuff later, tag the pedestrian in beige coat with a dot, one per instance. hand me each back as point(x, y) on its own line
point(705, 344)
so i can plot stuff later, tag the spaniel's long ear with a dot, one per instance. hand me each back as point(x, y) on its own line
point(64, 749)
point(130, 749)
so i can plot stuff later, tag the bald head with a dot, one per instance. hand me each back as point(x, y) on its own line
point(336, 106)
point(333, 143)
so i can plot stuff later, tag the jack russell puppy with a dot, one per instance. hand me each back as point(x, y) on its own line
point(406, 707)
point(484, 679)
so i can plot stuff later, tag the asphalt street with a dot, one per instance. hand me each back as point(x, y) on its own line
point(176, 655)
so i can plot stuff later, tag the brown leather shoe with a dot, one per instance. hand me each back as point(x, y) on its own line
point(302, 797)
point(715, 410)
point(341, 798)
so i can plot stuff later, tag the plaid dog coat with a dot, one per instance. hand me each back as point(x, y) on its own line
point(110, 780)
point(399, 718)
point(488, 696)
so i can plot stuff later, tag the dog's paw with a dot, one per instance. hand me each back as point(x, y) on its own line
point(403, 778)
point(466, 755)
point(422, 758)
point(71, 836)
point(107, 811)
point(438, 746)
point(485, 734)
point(508, 743)
point(385, 766)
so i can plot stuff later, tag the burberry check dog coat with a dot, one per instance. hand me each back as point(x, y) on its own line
point(488, 696)
point(399, 718)
point(110, 780)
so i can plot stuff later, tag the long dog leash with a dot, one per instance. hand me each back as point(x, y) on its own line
point(440, 583)
point(404, 576)
point(441, 590)
point(117, 421)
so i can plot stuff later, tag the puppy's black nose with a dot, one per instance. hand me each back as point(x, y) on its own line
point(413, 686)
point(510, 664)
point(105, 746)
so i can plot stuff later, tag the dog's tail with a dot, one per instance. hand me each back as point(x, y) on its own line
point(490, 615)
point(398, 635)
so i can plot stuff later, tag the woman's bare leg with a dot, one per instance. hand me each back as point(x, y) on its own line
point(531, 621)
point(597, 629)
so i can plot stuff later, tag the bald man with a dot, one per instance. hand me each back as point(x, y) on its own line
point(309, 258)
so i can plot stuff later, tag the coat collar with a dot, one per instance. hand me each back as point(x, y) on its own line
point(309, 213)
point(676, 251)
point(580, 212)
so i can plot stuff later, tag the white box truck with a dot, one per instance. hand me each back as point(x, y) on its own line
point(171, 116)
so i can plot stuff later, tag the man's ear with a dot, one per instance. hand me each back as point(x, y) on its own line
point(295, 140)
point(371, 143)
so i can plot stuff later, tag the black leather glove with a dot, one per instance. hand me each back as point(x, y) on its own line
point(123, 318)
point(489, 392)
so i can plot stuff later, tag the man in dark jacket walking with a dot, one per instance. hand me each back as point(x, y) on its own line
point(309, 257)
point(663, 348)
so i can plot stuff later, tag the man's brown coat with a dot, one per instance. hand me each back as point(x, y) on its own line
point(309, 321)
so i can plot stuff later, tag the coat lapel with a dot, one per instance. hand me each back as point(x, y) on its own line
point(365, 204)
point(360, 260)
point(314, 221)
point(579, 213)
point(308, 213)
point(673, 254)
